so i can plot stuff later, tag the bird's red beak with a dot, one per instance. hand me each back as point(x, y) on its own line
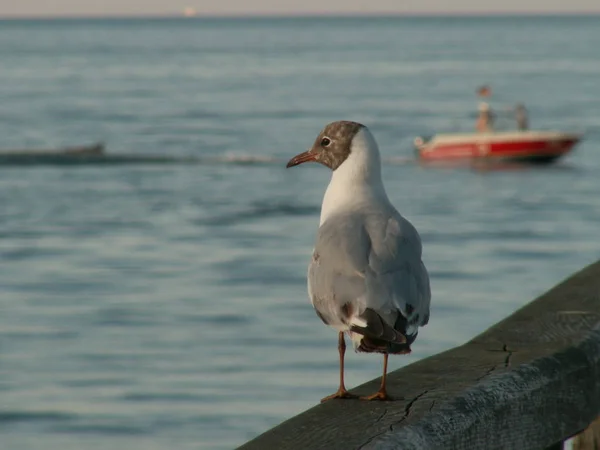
point(301, 158)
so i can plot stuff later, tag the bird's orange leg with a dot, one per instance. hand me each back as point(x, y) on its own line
point(381, 394)
point(341, 392)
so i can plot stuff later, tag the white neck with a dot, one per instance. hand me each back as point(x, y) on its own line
point(357, 180)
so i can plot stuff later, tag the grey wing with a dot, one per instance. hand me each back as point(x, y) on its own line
point(369, 267)
point(398, 280)
point(336, 277)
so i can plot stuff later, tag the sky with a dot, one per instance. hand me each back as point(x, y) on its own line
point(16, 8)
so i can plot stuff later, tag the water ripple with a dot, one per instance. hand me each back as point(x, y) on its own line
point(263, 210)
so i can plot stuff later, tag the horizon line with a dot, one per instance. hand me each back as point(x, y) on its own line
point(299, 15)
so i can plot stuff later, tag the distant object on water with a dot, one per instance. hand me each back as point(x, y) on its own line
point(484, 91)
point(519, 146)
point(189, 12)
point(521, 117)
point(96, 149)
point(94, 154)
point(485, 120)
point(81, 155)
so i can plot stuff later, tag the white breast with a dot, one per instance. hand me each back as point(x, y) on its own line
point(357, 180)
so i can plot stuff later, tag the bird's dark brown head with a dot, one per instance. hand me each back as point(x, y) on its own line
point(332, 146)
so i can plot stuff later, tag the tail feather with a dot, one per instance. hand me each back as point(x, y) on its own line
point(369, 345)
point(373, 326)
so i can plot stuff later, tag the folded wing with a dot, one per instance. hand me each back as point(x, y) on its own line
point(366, 276)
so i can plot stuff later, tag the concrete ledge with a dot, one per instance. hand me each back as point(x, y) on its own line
point(529, 382)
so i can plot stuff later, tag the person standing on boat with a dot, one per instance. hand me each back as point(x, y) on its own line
point(521, 117)
point(484, 91)
point(485, 120)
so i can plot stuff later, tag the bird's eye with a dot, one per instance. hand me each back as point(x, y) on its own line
point(325, 142)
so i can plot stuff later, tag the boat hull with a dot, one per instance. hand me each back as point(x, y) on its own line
point(529, 146)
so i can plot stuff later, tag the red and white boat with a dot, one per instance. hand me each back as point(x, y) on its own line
point(524, 146)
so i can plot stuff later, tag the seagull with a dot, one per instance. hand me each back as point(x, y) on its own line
point(366, 277)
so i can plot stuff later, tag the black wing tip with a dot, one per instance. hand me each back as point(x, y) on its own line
point(386, 337)
point(378, 329)
point(370, 345)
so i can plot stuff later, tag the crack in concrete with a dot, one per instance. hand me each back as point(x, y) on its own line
point(489, 371)
point(407, 410)
point(432, 405)
point(381, 416)
point(495, 366)
point(410, 405)
point(510, 353)
point(378, 434)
